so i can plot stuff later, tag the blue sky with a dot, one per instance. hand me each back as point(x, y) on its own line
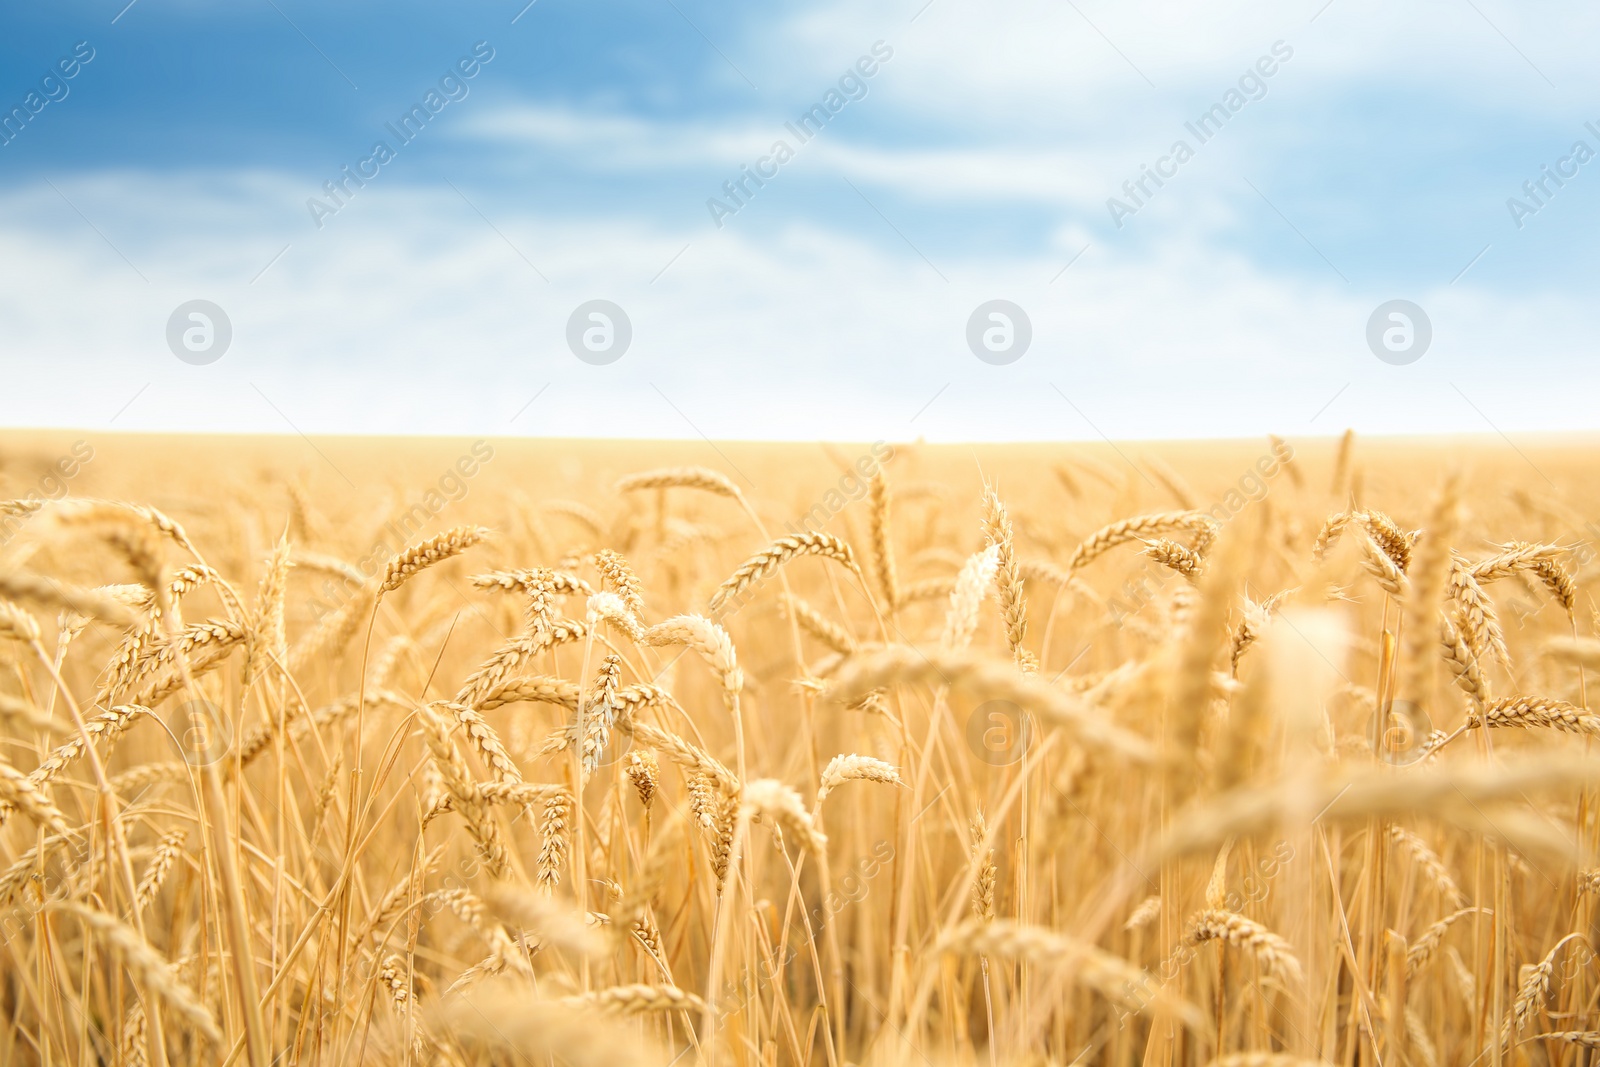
point(975, 163)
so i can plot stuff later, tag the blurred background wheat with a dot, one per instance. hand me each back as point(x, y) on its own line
point(470, 752)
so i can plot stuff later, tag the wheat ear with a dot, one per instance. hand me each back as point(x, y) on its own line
point(1271, 951)
point(1111, 976)
point(1137, 528)
point(457, 779)
point(148, 966)
point(961, 617)
point(1007, 578)
point(765, 563)
point(842, 769)
point(986, 679)
point(1532, 713)
point(436, 549)
point(701, 478)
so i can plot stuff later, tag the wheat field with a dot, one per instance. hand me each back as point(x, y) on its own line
point(510, 751)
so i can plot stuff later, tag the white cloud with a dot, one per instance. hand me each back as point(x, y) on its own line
point(1088, 60)
point(409, 314)
point(623, 145)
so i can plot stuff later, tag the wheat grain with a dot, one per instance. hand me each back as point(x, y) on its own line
point(135, 1027)
point(537, 689)
point(1539, 559)
point(1427, 573)
point(1462, 663)
point(1328, 534)
point(1390, 578)
point(636, 999)
point(532, 581)
point(1479, 621)
point(484, 739)
point(110, 726)
point(268, 624)
point(600, 717)
point(513, 654)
